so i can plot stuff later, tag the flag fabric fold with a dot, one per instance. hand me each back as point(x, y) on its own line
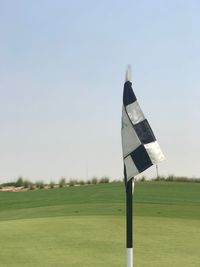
point(139, 145)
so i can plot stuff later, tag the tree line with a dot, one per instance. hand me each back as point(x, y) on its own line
point(63, 182)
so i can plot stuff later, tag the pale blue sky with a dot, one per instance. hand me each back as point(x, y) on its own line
point(62, 66)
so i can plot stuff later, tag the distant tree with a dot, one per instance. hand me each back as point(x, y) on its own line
point(19, 182)
point(94, 180)
point(104, 180)
point(27, 183)
point(39, 184)
point(32, 186)
point(81, 182)
point(72, 182)
point(171, 177)
point(52, 185)
point(143, 179)
point(62, 182)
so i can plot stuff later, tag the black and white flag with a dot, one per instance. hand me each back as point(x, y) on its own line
point(139, 145)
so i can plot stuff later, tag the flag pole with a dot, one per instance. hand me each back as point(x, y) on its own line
point(140, 151)
point(129, 205)
point(129, 223)
point(157, 175)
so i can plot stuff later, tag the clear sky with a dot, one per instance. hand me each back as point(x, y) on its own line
point(62, 66)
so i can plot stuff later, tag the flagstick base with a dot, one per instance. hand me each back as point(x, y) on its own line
point(129, 257)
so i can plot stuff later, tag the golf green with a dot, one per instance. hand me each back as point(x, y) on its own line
point(85, 226)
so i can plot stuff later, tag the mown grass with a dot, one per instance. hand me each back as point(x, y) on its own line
point(85, 226)
point(150, 199)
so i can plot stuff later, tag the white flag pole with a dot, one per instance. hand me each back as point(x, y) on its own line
point(157, 175)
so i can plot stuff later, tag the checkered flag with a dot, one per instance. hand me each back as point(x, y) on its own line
point(139, 145)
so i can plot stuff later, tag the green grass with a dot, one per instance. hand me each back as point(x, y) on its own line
point(85, 226)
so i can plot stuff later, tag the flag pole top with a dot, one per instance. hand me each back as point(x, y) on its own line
point(128, 74)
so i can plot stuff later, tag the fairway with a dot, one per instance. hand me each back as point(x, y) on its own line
point(85, 226)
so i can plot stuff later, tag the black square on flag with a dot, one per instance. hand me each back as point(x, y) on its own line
point(141, 159)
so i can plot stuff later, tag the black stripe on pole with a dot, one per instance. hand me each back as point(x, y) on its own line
point(129, 222)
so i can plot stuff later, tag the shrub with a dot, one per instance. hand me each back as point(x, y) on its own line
point(8, 184)
point(71, 182)
point(171, 177)
point(27, 184)
point(32, 186)
point(62, 182)
point(52, 185)
point(81, 182)
point(19, 182)
point(88, 182)
point(184, 179)
point(160, 178)
point(39, 184)
point(143, 179)
point(104, 180)
point(94, 180)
